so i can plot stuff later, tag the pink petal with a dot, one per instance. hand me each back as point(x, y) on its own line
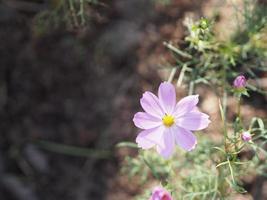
point(167, 97)
point(186, 105)
point(169, 144)
point(193, 121)
point(160, 193)
point(150, 137)
point(184, 138)
point(151, 105)
point(145, 121)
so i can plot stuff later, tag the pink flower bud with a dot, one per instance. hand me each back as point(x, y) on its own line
point(246, 136)
point(240, 82)
point(160, 194)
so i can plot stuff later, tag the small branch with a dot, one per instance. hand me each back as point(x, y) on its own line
point(174, 69)
point(73, 13)
point(176, 50)
point(181, 76)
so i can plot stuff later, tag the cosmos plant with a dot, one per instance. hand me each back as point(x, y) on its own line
point(199, 168)
point(166, 123)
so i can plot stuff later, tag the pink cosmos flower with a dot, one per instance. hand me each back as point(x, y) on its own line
point(240, 82)
point(160, 194)
point(166, 123)
point(246, 136)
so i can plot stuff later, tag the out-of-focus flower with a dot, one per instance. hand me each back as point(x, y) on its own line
point(240, 82)
point(246, 136)
point(166, 123)
point(160, 194)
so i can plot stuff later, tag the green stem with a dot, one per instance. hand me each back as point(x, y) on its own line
point(73, 150)
point(73, 13)
point(174, 69)
point(239, 115)
point(239, 108)
point(191, 87)
point(237, 124)
point(82, 12)
point(181, 76)
point(224, 122)
point(176, 50)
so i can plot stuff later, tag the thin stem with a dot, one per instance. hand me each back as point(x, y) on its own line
point(231, 171)
point(239, 107)
point(174, 69)
point(73, 13)
point(82, 12)
point(225, 101)
point(225, 136)
point(191, 87)
point(239, 110)
point(73, 150)
point(181, 76)
point(224, 108)
point(176, 50)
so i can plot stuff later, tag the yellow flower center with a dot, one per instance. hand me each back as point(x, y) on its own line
point(168, 120)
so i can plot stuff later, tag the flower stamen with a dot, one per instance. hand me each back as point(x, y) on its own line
point(168, 120)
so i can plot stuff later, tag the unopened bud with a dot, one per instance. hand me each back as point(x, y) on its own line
point(240, 82)
point(246, 136)
point(160, 194)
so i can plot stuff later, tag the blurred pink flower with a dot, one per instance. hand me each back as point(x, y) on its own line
point(160, 194)
point(166, 123)
point(246, 136)
point(240, 82)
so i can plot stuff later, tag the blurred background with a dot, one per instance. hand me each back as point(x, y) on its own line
point(71, 75)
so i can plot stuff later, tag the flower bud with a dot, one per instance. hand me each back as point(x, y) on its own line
point(160, 194)
point(246, 136)
point(240, 82)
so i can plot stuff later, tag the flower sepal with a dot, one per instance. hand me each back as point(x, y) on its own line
point(240, 91)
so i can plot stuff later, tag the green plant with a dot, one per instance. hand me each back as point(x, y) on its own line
point(215, 170)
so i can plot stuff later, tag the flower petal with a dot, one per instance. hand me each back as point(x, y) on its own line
point(151, 105)
point(160, 193)
point(184, 138)
point(193, 121)
point(145, 121)
point(167, 97)
point(185, 105)
point(143, 142)
point(169, 144)
point(150, 137)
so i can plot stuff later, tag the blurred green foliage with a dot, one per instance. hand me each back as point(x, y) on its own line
point(205, 59)
point(208, 172)
point(162, 2)
point(67, 14)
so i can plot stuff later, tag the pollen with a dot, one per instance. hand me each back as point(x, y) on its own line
point(168, 120)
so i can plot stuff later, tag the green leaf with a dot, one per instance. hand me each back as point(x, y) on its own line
point(127, 144)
